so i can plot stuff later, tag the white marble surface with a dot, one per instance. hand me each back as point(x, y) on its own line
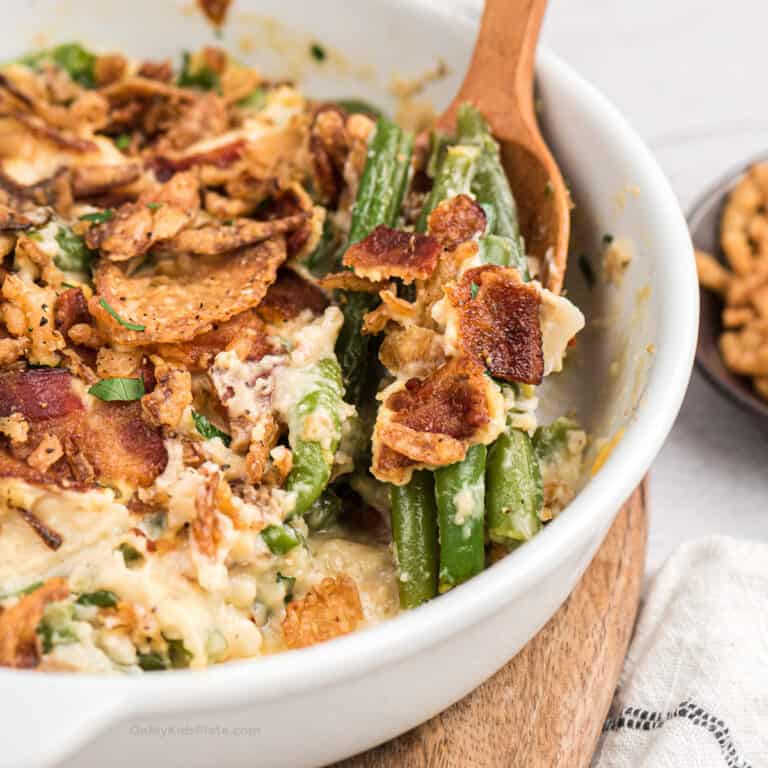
point(689, 76)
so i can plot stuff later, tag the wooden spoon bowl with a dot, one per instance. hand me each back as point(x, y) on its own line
point(499, 82)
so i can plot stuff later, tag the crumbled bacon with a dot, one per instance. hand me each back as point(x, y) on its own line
point(329, 610)
point(432, 421)
point(71, 308)
point(389, 253)
point(19, 643)
point(500, 324)
point(38, 394)
point(456, 220)
point(289, 296)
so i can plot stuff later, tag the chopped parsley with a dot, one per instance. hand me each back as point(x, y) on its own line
point(74, 255)
point(288, 584)
point(102, 598)
point(317, 52)
point(131, 556)
point(474, 290)
point(587, 269)
point(98, 217)
point(130, 326)
point(178, 654)
point(123, 141)
point(23, 591)
point(152, 661)
point(280, 539)
point(118, 389)
point(208, 430)
point(154, 206)
point(255, 100)
point(202, 78)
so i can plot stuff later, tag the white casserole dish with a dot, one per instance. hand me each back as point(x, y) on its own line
point(629, 371)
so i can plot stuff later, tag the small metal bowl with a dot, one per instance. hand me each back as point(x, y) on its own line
point(704, 224)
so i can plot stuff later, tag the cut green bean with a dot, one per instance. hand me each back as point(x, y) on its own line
point(490, 185)
point(414, 532)
point(454, 177)
point(460, 496)
point(379, 198)
point(514, 495)
point(314, 432)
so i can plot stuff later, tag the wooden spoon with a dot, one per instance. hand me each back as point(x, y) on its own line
point(499, 83)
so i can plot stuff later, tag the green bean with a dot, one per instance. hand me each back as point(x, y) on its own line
point(379, 198)
point(490, 185)
point(414, 531)
point(553, 438)
point(496, 250)
point(314, 432)
point(323, 512)
point(454, 177)
point(460, 496)
point(514, 495)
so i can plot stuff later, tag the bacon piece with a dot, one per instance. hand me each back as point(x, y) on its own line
point(178, 308)
point(456, 220)
point(393, 253)
point(329, 610)
point(198, 353)
point(431, 422)
point(19, 645)
point(289, 296)
point(71, 308)
point(111, 437)
point(38, 394)
point(500, 324)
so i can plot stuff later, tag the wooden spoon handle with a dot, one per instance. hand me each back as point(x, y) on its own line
point(499, 81)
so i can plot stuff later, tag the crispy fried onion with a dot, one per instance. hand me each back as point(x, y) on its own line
point(329, 610)
point(431, 422)
point(171, 309)
point(496, 321)
point(157, 215)
point(387, 253)
point(19, 642)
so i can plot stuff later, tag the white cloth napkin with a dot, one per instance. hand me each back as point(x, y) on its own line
point(694, 690)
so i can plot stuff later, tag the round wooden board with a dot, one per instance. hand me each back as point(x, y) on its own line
point(547, 706)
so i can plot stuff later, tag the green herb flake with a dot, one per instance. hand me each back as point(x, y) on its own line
point(288, 583)
point(131, 556)
point(280, 539)
point(255, 100)
point(74, 255)
point(204, 78)
point(178, 654)
point(67, 285)
point(152, 661)
point(154, 206)
point(208, 430)
point(317, 52)
point(98, 217)
point(23, 591)
point(130, 326)
point(102, 598)
point(33, 234)
point(123, 141)
point(121, 390)
point(587, 270)
point(474, 290)
point(78, 62)
point(55, 627)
